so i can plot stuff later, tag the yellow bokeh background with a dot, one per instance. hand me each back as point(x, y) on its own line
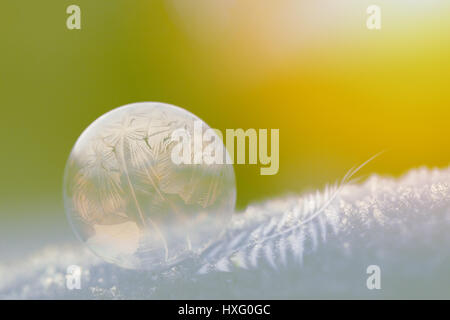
point(338, 92)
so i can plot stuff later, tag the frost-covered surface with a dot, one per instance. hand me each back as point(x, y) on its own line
point(283, 249)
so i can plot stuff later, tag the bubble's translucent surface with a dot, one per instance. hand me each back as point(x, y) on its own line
point(130, 203)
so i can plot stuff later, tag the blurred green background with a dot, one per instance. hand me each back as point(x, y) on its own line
point(339, 93)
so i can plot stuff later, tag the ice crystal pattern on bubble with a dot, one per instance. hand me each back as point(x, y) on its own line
point(127, 199)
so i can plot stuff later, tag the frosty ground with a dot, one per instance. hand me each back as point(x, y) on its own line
point(402, 225)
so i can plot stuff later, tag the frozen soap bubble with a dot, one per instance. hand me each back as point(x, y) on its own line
point(131, 203)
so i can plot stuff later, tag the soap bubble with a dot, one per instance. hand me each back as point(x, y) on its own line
point(130, 203)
